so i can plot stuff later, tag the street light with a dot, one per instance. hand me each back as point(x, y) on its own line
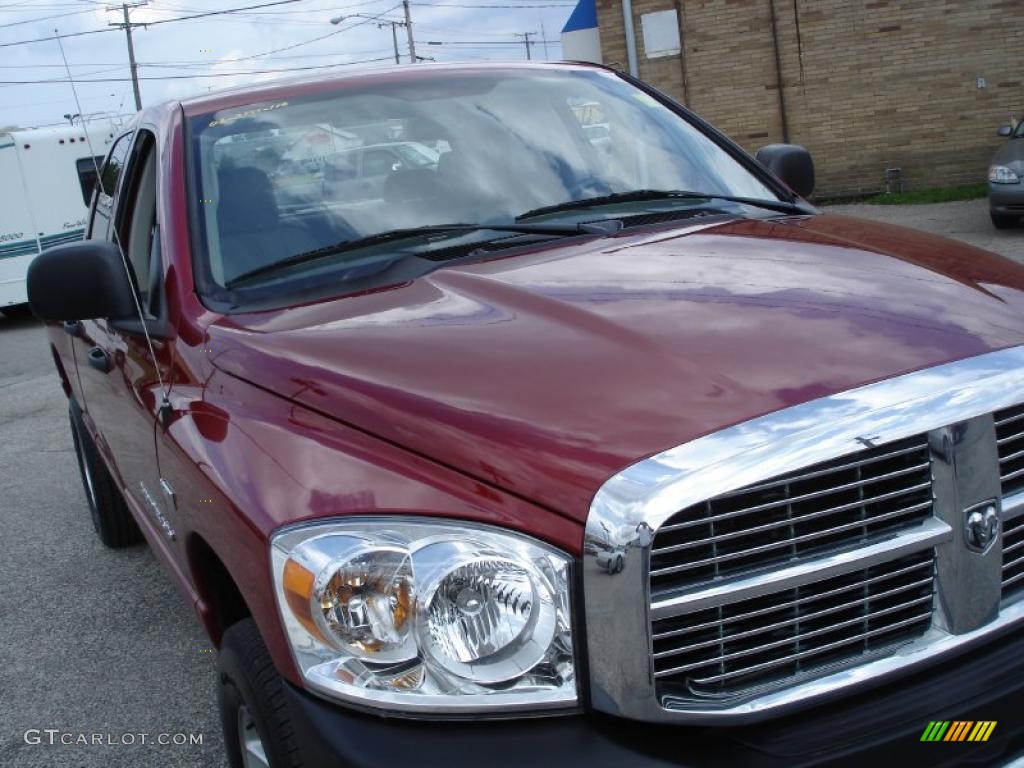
point(380, 25)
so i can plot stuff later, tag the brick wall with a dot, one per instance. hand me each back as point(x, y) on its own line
point(868, 84)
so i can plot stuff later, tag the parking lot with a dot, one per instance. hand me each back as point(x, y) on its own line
point(967, 221)
point(98, 641)
point(94, 641)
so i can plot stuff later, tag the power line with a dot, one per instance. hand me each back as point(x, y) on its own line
point(290, 12)
point(189, 63)
point(489, 42)
point(197, 75)
point(202, 62)
point(212, 64)
point(45, 18)
point(338, 31)
point(51, 38)
point(487, 5)
point(204, 14)
point(61, 66)
point(32, 7)
point(49, 6)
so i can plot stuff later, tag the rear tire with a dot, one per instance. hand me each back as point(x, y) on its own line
point(111, 519)
point(1002, 221)
point(253, 711)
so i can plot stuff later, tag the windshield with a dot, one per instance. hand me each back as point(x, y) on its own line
point(292, 176)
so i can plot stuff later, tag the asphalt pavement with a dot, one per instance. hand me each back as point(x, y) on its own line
point(967, 221)
point(97, 644)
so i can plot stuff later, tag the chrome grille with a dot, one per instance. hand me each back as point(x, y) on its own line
point(1013, 556)
point(1010, 438)
point(756, 642)
point(843, 558)
point(827, 506)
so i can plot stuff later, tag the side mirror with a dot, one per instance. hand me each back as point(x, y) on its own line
point(1004, 130)
point(792, 164)
point(80, 281)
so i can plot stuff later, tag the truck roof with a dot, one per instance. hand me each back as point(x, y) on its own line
point(234, 97)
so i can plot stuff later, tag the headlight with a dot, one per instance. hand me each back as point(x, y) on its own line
point(1000, 174)
point(427, 616)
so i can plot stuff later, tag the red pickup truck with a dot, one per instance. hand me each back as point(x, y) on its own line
point(502, 414)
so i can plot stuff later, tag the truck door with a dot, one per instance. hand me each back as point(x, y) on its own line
point(117, 370)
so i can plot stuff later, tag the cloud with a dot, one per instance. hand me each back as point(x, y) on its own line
point(177, 53)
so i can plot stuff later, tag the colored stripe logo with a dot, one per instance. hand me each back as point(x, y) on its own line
point(27, 247)
point(958, 730)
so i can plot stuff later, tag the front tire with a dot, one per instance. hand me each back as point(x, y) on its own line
point(1002, 221)
point(253, 711)
point(111, 519)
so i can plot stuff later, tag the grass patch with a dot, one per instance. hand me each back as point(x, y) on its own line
point(922, 196)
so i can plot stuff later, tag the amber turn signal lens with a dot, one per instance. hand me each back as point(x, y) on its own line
point(298, 590)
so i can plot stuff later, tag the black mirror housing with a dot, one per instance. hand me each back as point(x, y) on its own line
point(1004, 130)
point(792, 164)
point(80, 281)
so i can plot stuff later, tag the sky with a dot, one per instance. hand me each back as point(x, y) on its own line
point(179, 58)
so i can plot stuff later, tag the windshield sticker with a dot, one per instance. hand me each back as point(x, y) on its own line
point(227, 120)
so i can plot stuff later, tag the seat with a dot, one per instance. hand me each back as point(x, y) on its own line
point(251, 233)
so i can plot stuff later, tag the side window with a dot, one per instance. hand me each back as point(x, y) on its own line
point(110, 172)
point(136, 221)
point(86, 169)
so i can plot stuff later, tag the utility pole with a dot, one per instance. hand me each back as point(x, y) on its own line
point(127, 26)
point(408, 29)
point(394, 35)
point(526, 39)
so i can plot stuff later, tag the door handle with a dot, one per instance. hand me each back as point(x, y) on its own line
point(72, 327)
point(100, 360)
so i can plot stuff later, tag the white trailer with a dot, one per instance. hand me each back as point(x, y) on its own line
point(48, 177)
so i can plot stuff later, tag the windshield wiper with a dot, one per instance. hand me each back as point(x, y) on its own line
point(554, 230)
point(640, 195)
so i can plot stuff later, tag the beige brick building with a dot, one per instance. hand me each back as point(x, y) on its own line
point(867, 85)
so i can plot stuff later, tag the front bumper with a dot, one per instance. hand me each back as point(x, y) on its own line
point(1006, 199)
point(884, 725)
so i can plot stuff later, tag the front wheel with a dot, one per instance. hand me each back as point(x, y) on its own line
point(1002, 221)
point(253, 711)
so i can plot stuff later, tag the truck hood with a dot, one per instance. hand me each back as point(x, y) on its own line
point(545, 373)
